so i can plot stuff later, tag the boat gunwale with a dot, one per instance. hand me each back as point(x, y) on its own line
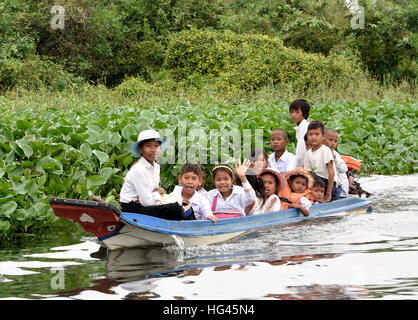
point(229, 225)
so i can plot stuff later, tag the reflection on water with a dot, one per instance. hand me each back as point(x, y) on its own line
point(373, 256)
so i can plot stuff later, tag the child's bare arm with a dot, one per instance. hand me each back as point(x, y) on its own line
point(302, 209)
point(331, 176)
point(213, 219)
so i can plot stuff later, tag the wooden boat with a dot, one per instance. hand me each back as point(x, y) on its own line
point(119, 230)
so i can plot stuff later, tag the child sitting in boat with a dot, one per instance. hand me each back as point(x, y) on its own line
point(281, 159)
point(316, 195)
point(227, 197)
point(297, 190)
point(202, 180)
point(331, 141)
point(319, 160)
point(273, 183)
point(189, 179)
point(259, 160)
point(140, 191)
point(305, 138)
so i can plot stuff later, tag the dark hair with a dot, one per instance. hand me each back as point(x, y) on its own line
point(305, 137)
point(301, 104)
point(255, 181)
point(142, 142)
point(317, 124)
point(293, 177)
point(276, 180)
point(282, 131)
point(319, 183)
point(222, 167)
point(256, 152)
point(202, 168)
point(191, 167)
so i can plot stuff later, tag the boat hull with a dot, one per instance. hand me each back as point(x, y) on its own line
point(137, 230)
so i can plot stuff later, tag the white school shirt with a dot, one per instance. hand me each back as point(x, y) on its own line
point(285, 163)
point(301, 130)
point(316, 161)
point(305, 202)
point(202, 191)
point(140, 183)
point(238, 199)
point(198, 202)
point(342, 169)
point(260, 208)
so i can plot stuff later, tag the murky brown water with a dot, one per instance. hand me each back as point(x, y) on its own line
point(371, 256)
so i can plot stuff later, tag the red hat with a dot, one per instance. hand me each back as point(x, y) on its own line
point(282, 180)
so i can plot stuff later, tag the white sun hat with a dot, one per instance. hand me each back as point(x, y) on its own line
point(148, 135)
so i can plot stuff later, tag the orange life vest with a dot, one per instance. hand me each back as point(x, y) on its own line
point(287, 196)
point(353, 165)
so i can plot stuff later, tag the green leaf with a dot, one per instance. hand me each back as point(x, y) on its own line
point(26, 187)
point(4, 225)
point(102, 156)
point(23, 124)
point(85, 150)
point(95, 181)
point(26, 147)
point(129, 132)
point(8, 208)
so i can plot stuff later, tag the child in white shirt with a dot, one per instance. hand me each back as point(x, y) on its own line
point(140, 191)
point(331, 140)
point(189, 179)
point(319, 160)
point(281, 159)
point(299, 112)
point(227, 197)
point(273, 183)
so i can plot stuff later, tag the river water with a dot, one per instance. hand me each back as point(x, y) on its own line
point(369, 256)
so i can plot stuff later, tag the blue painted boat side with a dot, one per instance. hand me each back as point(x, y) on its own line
point(206, 227)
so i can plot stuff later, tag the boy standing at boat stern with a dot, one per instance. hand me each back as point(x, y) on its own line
point(299, 112)
point(319, 160)
point(189, 179)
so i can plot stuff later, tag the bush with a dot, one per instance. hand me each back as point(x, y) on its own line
point(388, 44)
point(35, 73)
point(251, 61)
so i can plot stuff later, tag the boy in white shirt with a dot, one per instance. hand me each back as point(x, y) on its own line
point(299, 113)
point(281, 159)
point(189, 179)
point(320, 161)
point(140, 192)
point(331, 140)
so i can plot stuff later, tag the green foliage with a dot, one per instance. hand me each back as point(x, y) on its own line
point(388, 44)
point(251, 61)
point(108, 41)
point(35, 73)
point(75, 153)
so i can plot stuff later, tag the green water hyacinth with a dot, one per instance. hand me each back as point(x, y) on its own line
point(77, 153)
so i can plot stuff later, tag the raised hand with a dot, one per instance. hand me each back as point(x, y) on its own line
point(241, 168)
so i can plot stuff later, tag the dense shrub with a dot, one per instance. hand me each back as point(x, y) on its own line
point(251, 61)
point(35, 73)
point(388, 44)
point(106, 41)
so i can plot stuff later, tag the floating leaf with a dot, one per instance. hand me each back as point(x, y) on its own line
point(86, 151)
point(26, 147)
point(8, 208)
point(102, 156)
point(95, 181)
